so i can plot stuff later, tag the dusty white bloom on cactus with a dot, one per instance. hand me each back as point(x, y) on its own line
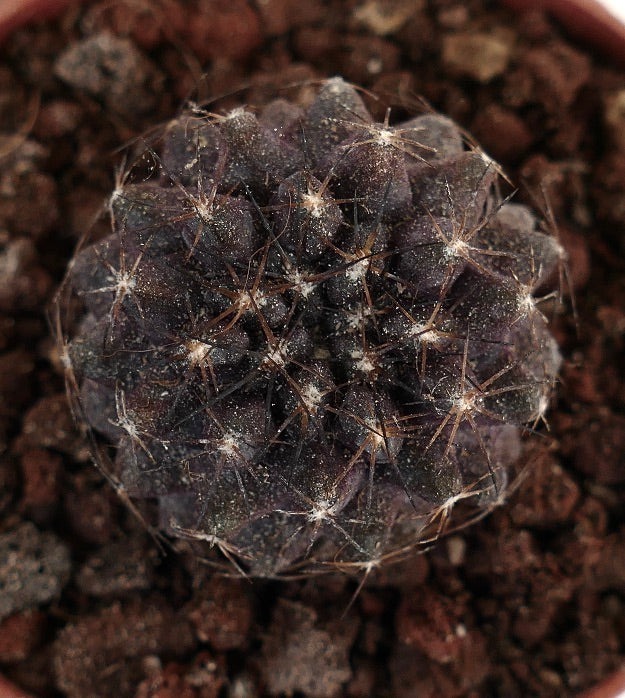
point(308, 334)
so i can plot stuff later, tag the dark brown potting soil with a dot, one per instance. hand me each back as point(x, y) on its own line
point(529, 601)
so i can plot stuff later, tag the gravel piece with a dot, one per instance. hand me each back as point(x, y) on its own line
point(103, 654)
point(222, 613)
point(300, 653)
point(35, 567)
point(112, 70)
point(117, 568)
point(481, 57)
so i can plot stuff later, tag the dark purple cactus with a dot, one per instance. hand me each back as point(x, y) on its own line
point(309, 334)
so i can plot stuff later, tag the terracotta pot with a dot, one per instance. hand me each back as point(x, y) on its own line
point(612, 687)
point(587, 19)
point(15, 13)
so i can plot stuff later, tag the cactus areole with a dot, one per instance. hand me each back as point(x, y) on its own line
point(309, 334)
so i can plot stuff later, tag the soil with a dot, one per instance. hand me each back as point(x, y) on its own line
point(527, 602)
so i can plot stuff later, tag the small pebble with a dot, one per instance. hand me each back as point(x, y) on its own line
point(35, 567)
point(481, 57)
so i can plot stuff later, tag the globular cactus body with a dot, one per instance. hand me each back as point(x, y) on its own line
point(309, 334)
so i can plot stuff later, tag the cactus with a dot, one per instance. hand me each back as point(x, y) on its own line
point(309, 334)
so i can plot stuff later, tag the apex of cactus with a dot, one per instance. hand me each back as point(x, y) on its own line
point(309, 334)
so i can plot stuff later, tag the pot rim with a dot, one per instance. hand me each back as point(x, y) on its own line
point(16, 13)
point(588, 20)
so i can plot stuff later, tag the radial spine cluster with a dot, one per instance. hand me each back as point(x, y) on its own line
point(309, 333)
